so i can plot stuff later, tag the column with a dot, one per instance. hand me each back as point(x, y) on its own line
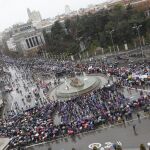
point(41, 40)
point(34, 41)
point(27, 42)
point(37, 40)
point(30, 40)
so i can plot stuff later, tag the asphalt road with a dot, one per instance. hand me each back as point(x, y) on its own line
point(14, 97)
point(125, 135)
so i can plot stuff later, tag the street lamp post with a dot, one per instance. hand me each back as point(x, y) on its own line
point(139, 36)
point(110, 50)
point(112, 41)
point(111, 32)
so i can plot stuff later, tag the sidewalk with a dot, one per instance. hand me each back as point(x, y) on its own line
point(3, 143)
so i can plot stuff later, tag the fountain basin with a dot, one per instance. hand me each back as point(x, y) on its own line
point(66, 90)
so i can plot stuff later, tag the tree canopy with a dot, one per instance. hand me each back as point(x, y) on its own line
point(93, 29)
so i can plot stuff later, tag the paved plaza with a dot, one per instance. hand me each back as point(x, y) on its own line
point(117, 133)
point(15, 97)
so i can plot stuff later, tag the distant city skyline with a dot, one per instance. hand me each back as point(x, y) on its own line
point(15, 11)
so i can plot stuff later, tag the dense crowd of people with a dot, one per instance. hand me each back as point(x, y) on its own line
point(103, 106)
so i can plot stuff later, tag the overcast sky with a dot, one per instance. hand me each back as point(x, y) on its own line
point(14, 11)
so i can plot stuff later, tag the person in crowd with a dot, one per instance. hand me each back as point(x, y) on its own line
point(103, 106)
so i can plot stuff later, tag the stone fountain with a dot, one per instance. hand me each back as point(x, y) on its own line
point(77, 85)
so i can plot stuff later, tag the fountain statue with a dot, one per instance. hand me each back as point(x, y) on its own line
point(76, 82)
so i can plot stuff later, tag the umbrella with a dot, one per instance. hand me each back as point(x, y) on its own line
point(70, 132)
point(36, 134)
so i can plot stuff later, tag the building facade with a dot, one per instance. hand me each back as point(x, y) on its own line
point(11, 45)
point(26, 39)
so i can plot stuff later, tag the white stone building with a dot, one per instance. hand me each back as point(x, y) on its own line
point(67, 10)
point(34, 16)
point(11, 45)
point(26, 39)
